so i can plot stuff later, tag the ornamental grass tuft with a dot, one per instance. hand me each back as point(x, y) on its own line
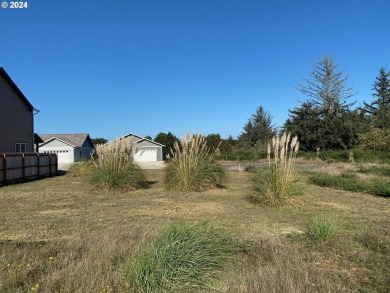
point(193, 167)
point(114, 169)
point(276, 182)
point(183, 258)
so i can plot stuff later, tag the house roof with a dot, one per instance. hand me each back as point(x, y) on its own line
point(140, 139)
point(16, 89)
point(152, 141)
point(76, 140)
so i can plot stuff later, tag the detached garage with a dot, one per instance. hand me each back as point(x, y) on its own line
point(146, 150)
point(69, 148)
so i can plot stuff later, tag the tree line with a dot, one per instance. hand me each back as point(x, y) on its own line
point(325, 119)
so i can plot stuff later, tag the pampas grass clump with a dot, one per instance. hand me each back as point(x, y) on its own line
point(276, 182)
point(193, 167)
point(114, 169)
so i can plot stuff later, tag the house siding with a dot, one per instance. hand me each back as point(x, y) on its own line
point(16, 119)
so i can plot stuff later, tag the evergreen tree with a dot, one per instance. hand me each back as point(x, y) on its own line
point(258, 130)
point(99, 140)
point(327, 87)
point(305, 123)
point(379, 109)
point(167, 139)
point(324, 121)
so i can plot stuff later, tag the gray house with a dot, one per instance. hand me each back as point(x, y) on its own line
point(16, 118)
point(69, 148)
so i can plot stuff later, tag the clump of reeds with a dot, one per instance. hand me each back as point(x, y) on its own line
point(192, 167)
point(276, 182)
point(113, 167)
point(183, 258)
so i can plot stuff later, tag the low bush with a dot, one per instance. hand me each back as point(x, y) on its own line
point(276, 183)
point(114, 169)
point(183, 258)
point(80, 169)
point(193, 167)
point(323, 227)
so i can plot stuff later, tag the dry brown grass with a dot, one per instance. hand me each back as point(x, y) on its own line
point(92, 236)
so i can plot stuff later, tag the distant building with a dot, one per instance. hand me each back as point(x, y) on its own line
point(147, 150)
point(69, 148)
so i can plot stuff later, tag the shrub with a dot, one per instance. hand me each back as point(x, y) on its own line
point(323, 227)
point(80, 169)
point(193, 168)
point(183, 258)
point(276, 182)
point(114, 169)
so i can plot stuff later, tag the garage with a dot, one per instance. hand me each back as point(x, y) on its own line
point(146, 155)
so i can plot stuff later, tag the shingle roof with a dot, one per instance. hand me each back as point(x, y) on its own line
point(76, 140)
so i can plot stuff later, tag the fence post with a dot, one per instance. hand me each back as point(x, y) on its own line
point(4, 169)
point(39, 165)
point(24, 166)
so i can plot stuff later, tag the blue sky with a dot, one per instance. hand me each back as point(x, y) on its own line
point(109, 68)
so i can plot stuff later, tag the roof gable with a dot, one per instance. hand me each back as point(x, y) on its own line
point(16, 89)
point(135, 139)
point(75, 140)
point(151, 141)
point(48, 142)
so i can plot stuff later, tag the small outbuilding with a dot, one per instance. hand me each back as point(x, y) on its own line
point(146, 150)
point(69, 148)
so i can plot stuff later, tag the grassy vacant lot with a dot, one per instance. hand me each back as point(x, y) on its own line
point(58, 235)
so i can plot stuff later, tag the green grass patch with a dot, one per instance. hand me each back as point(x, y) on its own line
point(183, 258)
point(378, 170)
point(350, 181)
point(323, 227)
point(80, 169)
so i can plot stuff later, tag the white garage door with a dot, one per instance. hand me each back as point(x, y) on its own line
point(63, 156)
point(146, 155)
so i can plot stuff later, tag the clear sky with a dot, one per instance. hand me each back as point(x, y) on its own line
point(109, 68)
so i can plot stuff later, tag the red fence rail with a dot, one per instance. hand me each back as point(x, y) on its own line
point(24, 166)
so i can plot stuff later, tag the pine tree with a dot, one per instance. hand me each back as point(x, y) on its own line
point(379, 109)
point(327, 87)
point(258, 130)
point(324, 121)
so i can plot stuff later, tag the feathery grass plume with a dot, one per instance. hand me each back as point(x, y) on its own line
point(114, 167)
point(276, 182)
point(183, 258)
point(193, 167)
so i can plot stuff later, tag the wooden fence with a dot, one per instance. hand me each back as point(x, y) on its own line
point(20, 167)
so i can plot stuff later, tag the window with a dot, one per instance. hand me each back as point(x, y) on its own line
point(20, 147)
